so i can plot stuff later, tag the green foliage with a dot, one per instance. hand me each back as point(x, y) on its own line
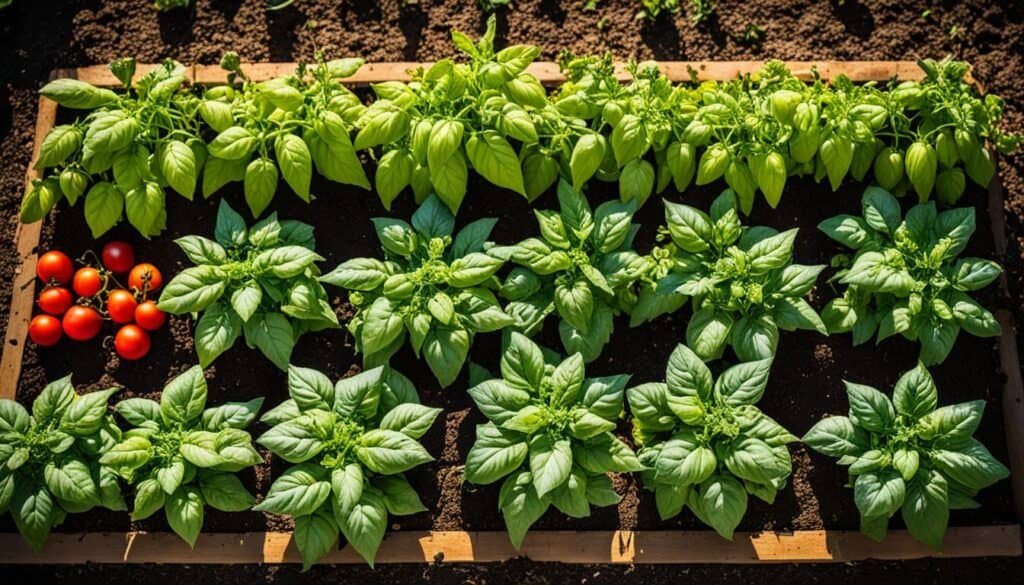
point(182, 456)
point(580, 268)
point(906, 277)
point(743, 283)
point(549, 435)
point(49, 458)
point(909, 455)
point(350, 444)
point(260, 282)
point(756, 132)
point(705, 444)
point(487, 114)
point(436, 287)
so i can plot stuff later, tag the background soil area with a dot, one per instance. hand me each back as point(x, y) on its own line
point(38, 36)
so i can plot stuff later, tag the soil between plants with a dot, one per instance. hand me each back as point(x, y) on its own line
point(805, 381)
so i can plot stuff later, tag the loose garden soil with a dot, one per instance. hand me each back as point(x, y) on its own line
point(806, 380)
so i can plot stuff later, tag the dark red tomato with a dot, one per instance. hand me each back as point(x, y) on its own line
point(55, 266)
point(55, 300)
point(145, 278)
point(82, 323)
point(149, 317)
point(118, 257)
point(44, 330)
point(121, 306)
point(131, 342)
point(88, 282)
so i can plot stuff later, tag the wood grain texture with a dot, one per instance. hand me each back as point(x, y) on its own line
point(546, 71)
point(26, 238)
point(615, 547)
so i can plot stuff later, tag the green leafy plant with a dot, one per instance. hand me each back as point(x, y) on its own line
point(906, 277)
point(549, 435)
point(580, 268)
point(128, 148)
point(260, 282)
point(652, 9)
point(908, 455)
point(743, 283)
point(451, 117)
point(181, 456)
point(284, 127)
point(49, 458)
point(351, 444)
point(431, 285)
point(705, 444)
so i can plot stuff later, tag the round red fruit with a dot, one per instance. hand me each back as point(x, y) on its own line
point(88, 282)
point(44, 330)
point(121, 306)
point(145, 278)
point(55, 300)
point(131, 342)
point(118, 257)
point(53, 267)
point(82, 323)
point(149, 317)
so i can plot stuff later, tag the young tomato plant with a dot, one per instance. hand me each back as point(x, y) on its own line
point(906, 277)
point(350, 444)
point(908, 455)
point(579, 268)
point(128, 148)
point(49, 458)
point(743, 283)
point(704, 444)
point(284, 127)
point(181, 456)
point(431, 285)
point(549, 435)
point(259, 281)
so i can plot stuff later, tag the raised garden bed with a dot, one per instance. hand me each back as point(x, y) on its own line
point(812, 521)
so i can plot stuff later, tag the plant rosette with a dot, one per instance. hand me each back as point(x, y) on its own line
point(581, 268)
point(705, 444)
point(906, 454)
point(50, 458)
point(742, 282)
point(260, 282)
point(549, 436)
point(431, 286)
point(906, 277)
point(350, 444)
point(181, 456)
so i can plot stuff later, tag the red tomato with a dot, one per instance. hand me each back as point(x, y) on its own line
point(121, 306)
point(55, 300)
point(88, 282)
point(148, 316)
point(82, 323)
point(118, 257)
point(53, 267)
point(145, 278)
point(44, 330)
point(131, 342)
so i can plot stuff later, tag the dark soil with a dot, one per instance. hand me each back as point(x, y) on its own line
point(805, 382)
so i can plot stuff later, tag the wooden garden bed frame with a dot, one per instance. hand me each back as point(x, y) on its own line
point(604, 546)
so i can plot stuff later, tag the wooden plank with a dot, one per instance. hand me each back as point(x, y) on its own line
point(26, 238)
point(608, 547)
point(548, 72)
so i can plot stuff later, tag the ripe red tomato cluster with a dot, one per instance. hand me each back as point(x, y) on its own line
point(100, 296)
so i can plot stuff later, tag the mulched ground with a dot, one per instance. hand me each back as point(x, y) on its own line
point(81, 33)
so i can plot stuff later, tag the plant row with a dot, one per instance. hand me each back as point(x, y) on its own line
point(702, 444)
point(435, 288)
point(489, 115)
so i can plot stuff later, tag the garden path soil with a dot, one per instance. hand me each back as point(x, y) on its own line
point(807, 388)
